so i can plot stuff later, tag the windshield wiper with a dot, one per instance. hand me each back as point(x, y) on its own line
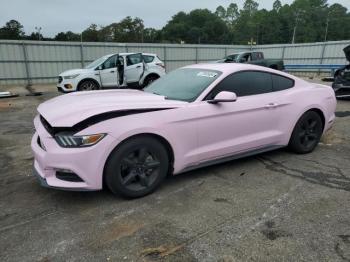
point(155, 93)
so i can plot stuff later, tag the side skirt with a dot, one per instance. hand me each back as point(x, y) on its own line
point(230, 158)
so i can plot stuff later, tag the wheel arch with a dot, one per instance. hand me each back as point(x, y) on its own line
point(321, 114)
point(314, 109)
point(158, 137)
point(88, 79)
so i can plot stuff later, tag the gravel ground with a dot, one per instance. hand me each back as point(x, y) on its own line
point(276, 206)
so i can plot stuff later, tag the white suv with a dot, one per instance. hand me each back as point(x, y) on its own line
point(114, 70)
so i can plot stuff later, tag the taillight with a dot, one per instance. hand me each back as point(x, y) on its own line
point(161, 65)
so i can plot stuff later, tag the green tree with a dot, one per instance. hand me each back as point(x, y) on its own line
point(91, 34)
point(221, 12)
point(67, 36)
point(277, 5)
point(12, 30)
point(232, 14)
point(198, 26)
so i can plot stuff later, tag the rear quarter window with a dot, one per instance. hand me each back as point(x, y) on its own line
point(281, 83)
point(148, 58)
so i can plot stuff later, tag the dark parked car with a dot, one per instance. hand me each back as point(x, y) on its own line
point(341, 84)
point(254, 58)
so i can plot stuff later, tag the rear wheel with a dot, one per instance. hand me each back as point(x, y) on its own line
point(150, 79)
point(307, 133)
point(137, 167)
point(88, 85)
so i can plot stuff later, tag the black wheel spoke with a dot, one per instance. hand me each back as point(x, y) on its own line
point(313, 124)
point(144, 180)
point(128, 162)
point(302, 134)
point(312, 136)
point(306, 140)
point(142, 155)
point(129, 178)
point(152, 164)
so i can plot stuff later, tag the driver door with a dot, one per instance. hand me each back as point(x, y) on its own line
point(134, 68)
point(248, 124)
point(109, 73)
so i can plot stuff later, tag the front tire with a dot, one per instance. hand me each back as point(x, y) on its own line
point(137, 167)
point(307, 133)
point(88, 85)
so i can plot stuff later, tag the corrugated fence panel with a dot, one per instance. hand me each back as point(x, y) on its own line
point(45, 60)
point(212, 54)
point(272, 52)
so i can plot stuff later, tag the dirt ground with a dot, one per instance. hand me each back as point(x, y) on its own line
point(276, 206)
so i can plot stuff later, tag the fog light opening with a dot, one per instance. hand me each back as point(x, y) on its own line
point(68, 175)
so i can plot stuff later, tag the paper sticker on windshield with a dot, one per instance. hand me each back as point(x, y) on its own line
point(207, 74)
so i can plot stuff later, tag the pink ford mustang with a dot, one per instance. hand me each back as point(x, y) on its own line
point(199, 115)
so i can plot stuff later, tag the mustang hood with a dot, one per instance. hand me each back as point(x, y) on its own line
point(347, 52)
point(68, 110)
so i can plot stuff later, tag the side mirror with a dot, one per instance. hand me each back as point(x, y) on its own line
point(100, 67)
point(223, 97)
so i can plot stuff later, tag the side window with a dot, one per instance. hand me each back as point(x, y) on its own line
point(133, 59)
point(257, 56)
point(110, 62)
point(148, 58)
point(281, 83)
point(244, 84)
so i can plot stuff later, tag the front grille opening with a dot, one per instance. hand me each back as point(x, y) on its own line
point(68, 176)
point(60, 79)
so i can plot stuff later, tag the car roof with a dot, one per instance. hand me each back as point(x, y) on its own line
point(229, 68)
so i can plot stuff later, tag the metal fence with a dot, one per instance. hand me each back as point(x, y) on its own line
point(33, 62)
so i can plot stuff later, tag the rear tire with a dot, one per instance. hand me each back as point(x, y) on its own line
point(137, 167)
point(149, 80)
point(307, 133)
point(88, 85)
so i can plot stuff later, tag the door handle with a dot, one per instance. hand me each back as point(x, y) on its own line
point(112, 71)
point(138, 66)
point(271, 105)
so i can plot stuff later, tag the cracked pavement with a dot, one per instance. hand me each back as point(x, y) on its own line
point(275, 206)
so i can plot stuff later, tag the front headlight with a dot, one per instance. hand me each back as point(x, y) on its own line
point(67, 140)
point(71, 76)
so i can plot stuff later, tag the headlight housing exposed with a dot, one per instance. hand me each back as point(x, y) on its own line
point(71, 76)
point(71, 141)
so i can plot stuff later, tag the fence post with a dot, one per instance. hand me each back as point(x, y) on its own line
point(126, 48)
point(82, 55)
point(322, 56)
point(226, 51)
point(25, 55)
point(196, 54)
point(165, 57)
point(283, 51)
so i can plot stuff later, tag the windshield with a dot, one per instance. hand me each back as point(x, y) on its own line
point(97, 62)
point(232, 57)
point(184, 84)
